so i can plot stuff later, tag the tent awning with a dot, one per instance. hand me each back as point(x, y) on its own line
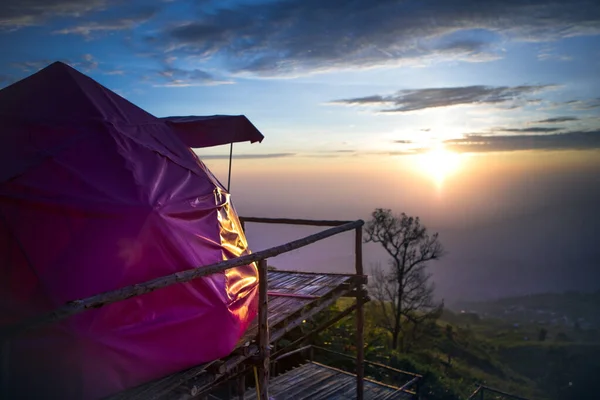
point(214, 130)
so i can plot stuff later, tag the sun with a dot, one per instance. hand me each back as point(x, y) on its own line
point(438, 164)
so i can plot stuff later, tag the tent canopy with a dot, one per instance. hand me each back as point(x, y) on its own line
point(214, 130)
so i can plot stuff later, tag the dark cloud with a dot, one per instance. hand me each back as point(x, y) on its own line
point(577, 140)
point(556, 120)
point(245, 156)
point(292, 36)
point(20, 13)
point(421, 99)
point(533, 129)
point(174, 77)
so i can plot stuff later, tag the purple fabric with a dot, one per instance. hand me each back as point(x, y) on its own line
point(214, 130)
point(97, 194)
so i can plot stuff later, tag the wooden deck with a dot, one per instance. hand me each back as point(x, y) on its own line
point(314, 381)
point(293, 296)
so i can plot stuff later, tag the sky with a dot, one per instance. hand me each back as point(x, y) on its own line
point(481, 117)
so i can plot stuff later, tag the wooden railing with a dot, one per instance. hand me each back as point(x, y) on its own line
point(479, 394)
point(358, 265)
point(102, 299)
point(412, 382)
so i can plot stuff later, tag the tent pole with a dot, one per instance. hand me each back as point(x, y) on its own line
point(230, 157)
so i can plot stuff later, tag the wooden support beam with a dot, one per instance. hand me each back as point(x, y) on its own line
point(241, 387)
point(4, 369)
point(482, 389)
point(293, 221)
point(307, 314)
point(289, 353)
point(226, 368)
point(263, 331)
point(78, 306)
point(360, 319)
point(320, 328)
point(401, 389)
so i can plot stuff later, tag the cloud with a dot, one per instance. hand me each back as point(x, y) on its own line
point(87, 29)
point(403, 141)
point(533, 129)
point(588, 104)
point(86, 63)
point(295, 36)
point(89, 62)
point(245, 156)
point(421, 99)
point(114, 72)
point(576, 140)
point(175, 77)
point(550, 53)
point(21, 13)
point(35, 65)
point(557, 120)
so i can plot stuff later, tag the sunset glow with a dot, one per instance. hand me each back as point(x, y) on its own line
point(438, 164)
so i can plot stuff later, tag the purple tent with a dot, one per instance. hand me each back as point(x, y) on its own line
point(97, 194)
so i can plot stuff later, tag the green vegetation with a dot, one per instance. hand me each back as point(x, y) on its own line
point(456, 352)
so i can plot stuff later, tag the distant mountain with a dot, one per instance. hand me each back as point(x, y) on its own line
point(573, 309)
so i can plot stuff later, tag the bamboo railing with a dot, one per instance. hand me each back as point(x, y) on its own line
point(479, 393)
point(78, 306)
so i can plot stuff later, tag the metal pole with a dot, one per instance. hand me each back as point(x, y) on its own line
point(230, 158)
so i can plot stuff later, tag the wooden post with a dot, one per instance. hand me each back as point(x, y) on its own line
point(263, 331)
point(4, 369)
point(360, 319)
point(241, 389)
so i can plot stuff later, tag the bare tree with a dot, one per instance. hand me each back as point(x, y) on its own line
point(404, 290)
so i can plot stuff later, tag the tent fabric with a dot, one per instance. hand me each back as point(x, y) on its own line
point(97, 194)
point(214, 130)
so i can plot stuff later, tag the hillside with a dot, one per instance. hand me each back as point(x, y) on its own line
point(460, 350)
